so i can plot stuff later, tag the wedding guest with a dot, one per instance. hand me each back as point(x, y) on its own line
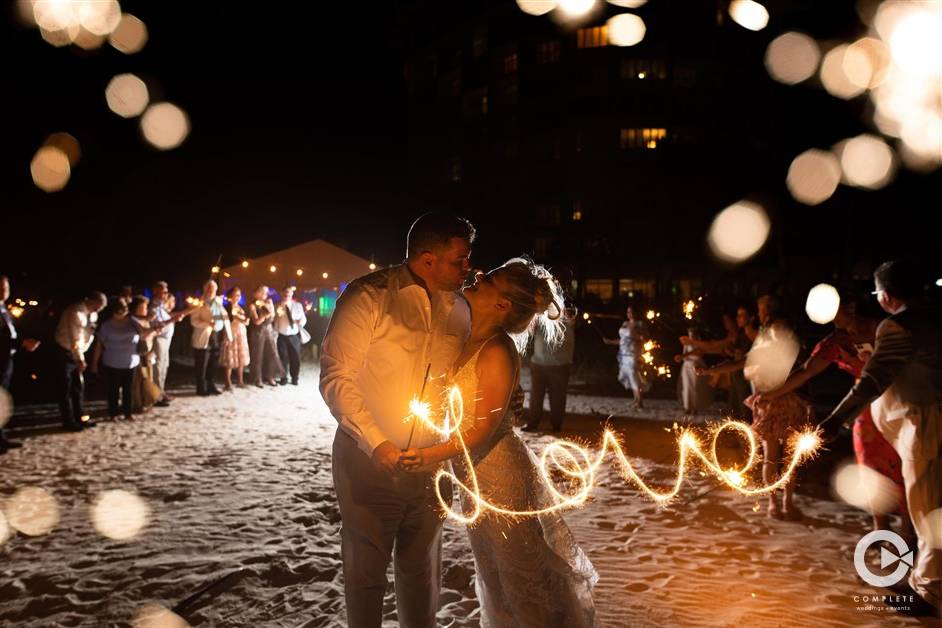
point(549, 370)
point(210, 328)
point(695, 392)
point(74, 335)
point(116, 356)
point(235, 353)
point(263, 353)
point(735, 344)
point(770, 357)
point(289, 321)
point(145, 392)
point(902, 384)
point(849, 346)
point(164, 319)
point(630, 343)
point(10, 342)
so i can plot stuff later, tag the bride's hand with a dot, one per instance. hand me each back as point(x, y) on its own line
point(411, 459)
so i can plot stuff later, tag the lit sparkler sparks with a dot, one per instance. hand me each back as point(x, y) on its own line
point(689, 308)
point(578, 464)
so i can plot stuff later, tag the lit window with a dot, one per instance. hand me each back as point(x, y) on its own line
point(547, 52)
point(630, 287)
point(577, 210)
point(641, 138)
point(593, 37)
point(510, 63)
point(644, 69)
point(602, 288)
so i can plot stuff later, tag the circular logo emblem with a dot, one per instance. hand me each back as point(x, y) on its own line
point(887, 558)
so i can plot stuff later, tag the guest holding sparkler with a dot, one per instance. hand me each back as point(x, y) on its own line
point(767, 365)
point(735, 344)
point(630, 343)
point(695, 392)
point(289, 321)
point(849, 346)
point(210, 329)
point(264, 362)
point(10, 342)
point(74, 335)
point(164, 319)
point(235, 353)
point(145, 391)
point(902, 384)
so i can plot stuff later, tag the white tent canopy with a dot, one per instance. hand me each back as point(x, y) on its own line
point(313, 259)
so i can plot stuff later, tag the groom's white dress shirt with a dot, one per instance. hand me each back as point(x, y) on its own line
point(383, 333)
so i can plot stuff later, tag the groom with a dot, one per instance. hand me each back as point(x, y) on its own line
point(390, 328)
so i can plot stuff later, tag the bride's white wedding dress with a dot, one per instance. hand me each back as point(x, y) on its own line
point(530, 571)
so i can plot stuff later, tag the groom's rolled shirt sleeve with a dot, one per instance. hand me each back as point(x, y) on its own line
point(342, 356)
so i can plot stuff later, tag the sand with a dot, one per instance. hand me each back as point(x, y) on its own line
point(240, 485)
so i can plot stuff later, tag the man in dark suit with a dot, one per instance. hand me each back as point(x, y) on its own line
point(9, 343)
point(903, 380)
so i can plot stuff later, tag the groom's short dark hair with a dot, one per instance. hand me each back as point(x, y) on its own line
point(433, 231)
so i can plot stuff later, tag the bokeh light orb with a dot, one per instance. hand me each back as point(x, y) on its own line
point(771, 358)
point(813, 176)
point(822, 303)
point(749, 14)
point(866, 161)
point(792, 58)
point(98, 17)
point(575, 8)
point(61, 37)
point(130, 36)
point(156, 616)
point(165, 125)
point(119, 515)
point(916, 43)
point(127, 95)
point(32, 510)
point(628, 4)
point(536, 7)
point(67, 144)
point(866, 62)
point(739, 231)
point(865, 488)
point(626, 29)
point(50, 169)
point(55, 15)
point(833, 77)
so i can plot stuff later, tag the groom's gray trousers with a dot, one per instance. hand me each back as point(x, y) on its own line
point(382, 517)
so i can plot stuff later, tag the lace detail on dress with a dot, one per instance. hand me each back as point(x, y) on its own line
point(530, 571)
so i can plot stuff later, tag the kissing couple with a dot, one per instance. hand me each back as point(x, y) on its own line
point(408, 328)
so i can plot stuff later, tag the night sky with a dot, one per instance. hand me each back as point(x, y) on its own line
point(299, 131)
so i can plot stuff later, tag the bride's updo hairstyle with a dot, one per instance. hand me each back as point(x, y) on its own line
point(536, 302)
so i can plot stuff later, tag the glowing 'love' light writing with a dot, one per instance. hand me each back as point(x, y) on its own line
point(577, 464)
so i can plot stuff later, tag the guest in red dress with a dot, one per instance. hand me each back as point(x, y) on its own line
point(849, 346)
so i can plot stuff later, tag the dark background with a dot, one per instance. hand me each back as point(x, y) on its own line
point(303, 126)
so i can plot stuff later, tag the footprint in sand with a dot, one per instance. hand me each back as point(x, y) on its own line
point(637, 587)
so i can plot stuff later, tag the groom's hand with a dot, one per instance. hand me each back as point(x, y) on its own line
point(386, 457)
point(411, 459)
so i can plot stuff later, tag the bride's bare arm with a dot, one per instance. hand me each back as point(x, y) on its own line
point(496, 370)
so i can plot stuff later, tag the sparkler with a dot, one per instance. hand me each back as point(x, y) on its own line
point(578, 465)
point(419, 409)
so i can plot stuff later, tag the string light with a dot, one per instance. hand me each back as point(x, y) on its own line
point(245, 264)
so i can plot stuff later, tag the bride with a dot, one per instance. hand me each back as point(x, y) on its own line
point(530, 572)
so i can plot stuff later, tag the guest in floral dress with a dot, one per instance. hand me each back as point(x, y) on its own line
point(235, 353)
